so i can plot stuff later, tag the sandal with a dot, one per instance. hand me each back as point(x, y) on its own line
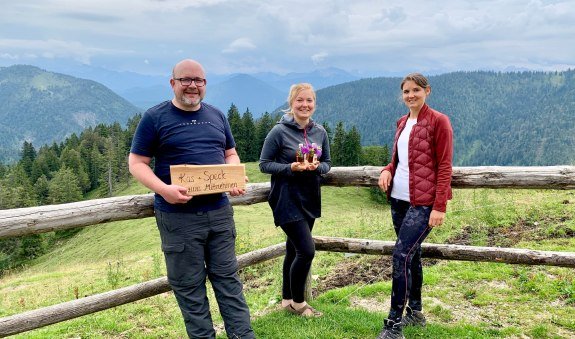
point(302, 311)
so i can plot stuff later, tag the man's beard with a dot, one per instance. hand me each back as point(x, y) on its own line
point(187, 101)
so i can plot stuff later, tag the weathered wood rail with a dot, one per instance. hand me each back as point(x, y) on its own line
point(76, 308)
point(18, 222)
point(22, 221)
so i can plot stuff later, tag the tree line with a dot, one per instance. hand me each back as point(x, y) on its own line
point(94, 164)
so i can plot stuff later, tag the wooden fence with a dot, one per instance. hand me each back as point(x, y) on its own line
point(33, 220)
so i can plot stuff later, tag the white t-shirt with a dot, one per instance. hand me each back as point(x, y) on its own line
point(400, 189)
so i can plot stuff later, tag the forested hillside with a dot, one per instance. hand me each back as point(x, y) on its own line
point(42, 107)
point(498, 118)
point(519, 118)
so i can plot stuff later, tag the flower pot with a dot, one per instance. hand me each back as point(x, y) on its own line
point(310, 158)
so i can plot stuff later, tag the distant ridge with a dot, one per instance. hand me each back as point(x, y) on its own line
point(42, 107)
point(515, 118)
point(246, 92)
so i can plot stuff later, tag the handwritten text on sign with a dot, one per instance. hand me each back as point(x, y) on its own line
point(208, 179)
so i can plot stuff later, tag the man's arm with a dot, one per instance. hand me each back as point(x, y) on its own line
point(139, 166)
point(232, 157)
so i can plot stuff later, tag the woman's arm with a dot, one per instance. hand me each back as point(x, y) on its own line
point(325, 158)
point(270, 151)
point(443, 159)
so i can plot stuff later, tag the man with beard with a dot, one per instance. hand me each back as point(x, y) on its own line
point(197, 233)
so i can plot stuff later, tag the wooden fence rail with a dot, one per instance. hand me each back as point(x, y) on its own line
point(76, 308)
point(24, 221)
point(32, 220)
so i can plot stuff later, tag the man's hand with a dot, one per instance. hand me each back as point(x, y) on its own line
point(175, 194)
point(239, 191)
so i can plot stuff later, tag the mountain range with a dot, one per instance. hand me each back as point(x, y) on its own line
point(258, 92)
point(509, 118)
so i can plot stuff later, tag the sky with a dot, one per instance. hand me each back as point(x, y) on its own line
point(363, 37)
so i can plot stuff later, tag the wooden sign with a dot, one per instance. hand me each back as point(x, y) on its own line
point(208, 179)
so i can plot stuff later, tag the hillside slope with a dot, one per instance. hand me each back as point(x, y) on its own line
point(43, 107)
point(523, 119)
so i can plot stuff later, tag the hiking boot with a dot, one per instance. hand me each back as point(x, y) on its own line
point(413, 318)
point(391, 330)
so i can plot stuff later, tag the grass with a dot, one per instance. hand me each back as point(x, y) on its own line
point(461, 299)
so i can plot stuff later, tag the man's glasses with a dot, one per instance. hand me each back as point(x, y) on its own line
point(188, 81)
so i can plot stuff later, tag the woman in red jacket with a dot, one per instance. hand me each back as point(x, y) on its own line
point(418, 185)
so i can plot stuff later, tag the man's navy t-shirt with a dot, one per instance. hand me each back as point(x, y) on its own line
point(174, 137)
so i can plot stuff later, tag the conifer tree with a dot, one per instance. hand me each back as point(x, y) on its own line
point(263, 126)
point(71, 159)
point(352, 148)
point(28, 155)
point(338, 147)
point(236, 125)
point(250, 149)
point(325, 125)
point(64, 187)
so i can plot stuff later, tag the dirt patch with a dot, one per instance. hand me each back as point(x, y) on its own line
point(369, 304)
point(355, 271)
point(528, 230)
point(522, 230)
point(364, 271)
point(462, 238)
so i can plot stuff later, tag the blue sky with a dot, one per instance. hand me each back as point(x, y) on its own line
point(366, 38)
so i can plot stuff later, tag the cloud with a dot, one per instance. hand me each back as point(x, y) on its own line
point(240, 45)
point(318, 58)
point(51, 49)
point(369, 36)
point(92, 17)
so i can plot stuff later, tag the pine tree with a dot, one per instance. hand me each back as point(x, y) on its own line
point(64, 187)
point(325, 125)
point(71, 159)
point(27, 157)
point(352, 148)
point(16, 192)
point(41, 189)
point(263, 126)
point(338, 147)
point(250, 150)
point(235, 121)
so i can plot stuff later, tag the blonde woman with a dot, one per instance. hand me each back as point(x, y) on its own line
point(295, 188)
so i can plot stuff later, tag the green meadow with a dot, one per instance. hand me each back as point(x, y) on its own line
point(461, 299)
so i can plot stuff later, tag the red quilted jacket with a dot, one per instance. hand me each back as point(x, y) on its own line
point(430, 156)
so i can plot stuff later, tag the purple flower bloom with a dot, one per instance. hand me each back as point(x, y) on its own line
point(316, 149)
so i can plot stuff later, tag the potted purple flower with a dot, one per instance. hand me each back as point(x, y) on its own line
point(308, 152)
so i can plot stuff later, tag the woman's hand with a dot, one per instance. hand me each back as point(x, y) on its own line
point(436, 218)
point(384, 180)
point(312, 166)
point(298, 166)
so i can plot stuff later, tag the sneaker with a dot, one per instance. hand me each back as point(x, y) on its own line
point(413, 318)
point(391, 330)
